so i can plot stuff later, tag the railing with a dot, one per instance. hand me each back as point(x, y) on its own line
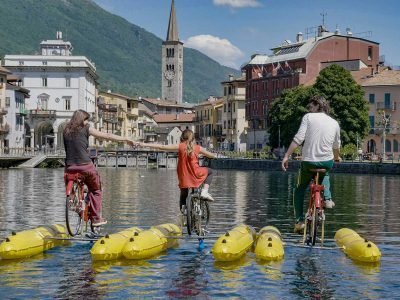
point(3, 111)
point(42, 113)
point(387, 106)
point(29, 152)
point(23, 111)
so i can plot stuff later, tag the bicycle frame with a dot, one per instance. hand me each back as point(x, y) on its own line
point(196, 210)
point(315, 216)
point(82, 207)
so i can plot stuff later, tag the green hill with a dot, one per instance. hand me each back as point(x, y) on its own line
point(127, 57)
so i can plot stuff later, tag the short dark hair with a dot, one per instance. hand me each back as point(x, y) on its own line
point(323, 105)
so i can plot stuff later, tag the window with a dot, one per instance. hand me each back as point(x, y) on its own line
point(68, 63)
point(21, 62)
point(224, 107)
point(67, 103)
point(44, 81)
point(7, 101)
point(67, 81)
point(372, 124)
point(387, 100)
point(369, 53)
point(44, 63)
point(169, 83)
point(371, 98)
point(224, 124)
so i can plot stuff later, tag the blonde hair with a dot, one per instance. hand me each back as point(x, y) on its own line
point(188, 137)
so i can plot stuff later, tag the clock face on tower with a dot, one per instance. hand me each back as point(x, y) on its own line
point(169, 74)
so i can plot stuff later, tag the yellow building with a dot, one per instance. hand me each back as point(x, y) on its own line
point(118, 114)
point(382, 91)
point(208, 126)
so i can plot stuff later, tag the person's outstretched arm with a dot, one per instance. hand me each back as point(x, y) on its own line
point(290, 150)
point(207, 153)
point(160, 147)
point(109, 136)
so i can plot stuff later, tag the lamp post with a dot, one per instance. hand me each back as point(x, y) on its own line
point(385, 122)
point(279, 141)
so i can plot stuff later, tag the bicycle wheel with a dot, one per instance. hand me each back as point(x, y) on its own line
point(189, 206)
point(314, 225)
point(205, 213)
point(73, 210)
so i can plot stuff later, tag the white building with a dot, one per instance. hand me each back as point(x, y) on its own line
point(59, 84)
point(16, 114)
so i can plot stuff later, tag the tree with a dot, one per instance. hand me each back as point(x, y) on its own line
point(346, 99)
point(286, 113)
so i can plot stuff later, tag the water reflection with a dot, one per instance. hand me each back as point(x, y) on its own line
point(143, 198)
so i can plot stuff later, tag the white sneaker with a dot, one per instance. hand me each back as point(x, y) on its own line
point(329, 203)
point(206, 195)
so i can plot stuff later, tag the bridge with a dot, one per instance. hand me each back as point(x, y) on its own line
point(102, 158)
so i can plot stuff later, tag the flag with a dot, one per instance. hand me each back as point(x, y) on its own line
point(287, 66)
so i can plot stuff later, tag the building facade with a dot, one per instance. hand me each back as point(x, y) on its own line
point(234, 114)
point(4, 125)
point(118, 114)
point(172, 62)
point(295, 63)
point(15, 117)
point(59, 84)
point(382, 91)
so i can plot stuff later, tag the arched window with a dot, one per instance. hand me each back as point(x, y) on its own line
point(395, 146)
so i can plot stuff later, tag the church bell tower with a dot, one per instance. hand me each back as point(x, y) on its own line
point(172, 62)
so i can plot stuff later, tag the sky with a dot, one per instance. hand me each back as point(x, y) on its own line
point(230, 31)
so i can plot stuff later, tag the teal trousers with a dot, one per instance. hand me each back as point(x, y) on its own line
point(303, 180)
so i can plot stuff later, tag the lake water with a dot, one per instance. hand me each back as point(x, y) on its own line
point(367, 204)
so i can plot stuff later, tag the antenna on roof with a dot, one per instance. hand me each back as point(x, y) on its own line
point(323, 14)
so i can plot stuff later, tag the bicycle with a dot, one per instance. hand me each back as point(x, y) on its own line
point(77, 204)
point(315, 216)
point(197, 213)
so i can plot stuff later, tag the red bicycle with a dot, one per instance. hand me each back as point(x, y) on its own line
point(77, 204)
point(315, 216)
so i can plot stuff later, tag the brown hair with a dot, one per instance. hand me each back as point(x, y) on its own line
point(76, 122)
point(323, 105)
point(188, 137)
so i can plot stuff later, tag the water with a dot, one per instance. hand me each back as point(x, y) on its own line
point(367, 204)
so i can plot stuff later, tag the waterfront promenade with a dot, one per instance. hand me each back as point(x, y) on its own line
point(132, 158)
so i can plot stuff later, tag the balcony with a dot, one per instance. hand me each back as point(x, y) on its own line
point(108, 107)
point(4, 128)
point(3, 111)
point(386, 106)
point(35, 113)
point(23, 111)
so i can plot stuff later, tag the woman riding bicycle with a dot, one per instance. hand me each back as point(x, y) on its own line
point(190, 174)
point(321, 136)
point(76, 142)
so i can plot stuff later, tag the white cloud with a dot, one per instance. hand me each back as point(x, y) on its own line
point(218, 49)
point(238, 3)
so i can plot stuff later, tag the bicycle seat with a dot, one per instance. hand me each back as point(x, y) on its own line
point(317, 170)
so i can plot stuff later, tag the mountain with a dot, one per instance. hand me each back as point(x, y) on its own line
point(127, 57)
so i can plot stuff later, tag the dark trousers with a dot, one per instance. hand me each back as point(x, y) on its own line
point(93, 183)
point(185, 191)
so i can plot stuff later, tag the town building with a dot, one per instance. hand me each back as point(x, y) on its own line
point(208, 123)
point(59, 84)
point(295, 63)
point(172, 62)
point(118, 114)
point(15, 117)
point(235, 125)
point(4, 125)
point(382, 92)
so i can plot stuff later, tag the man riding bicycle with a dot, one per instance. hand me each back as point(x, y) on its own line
point(321, 136)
